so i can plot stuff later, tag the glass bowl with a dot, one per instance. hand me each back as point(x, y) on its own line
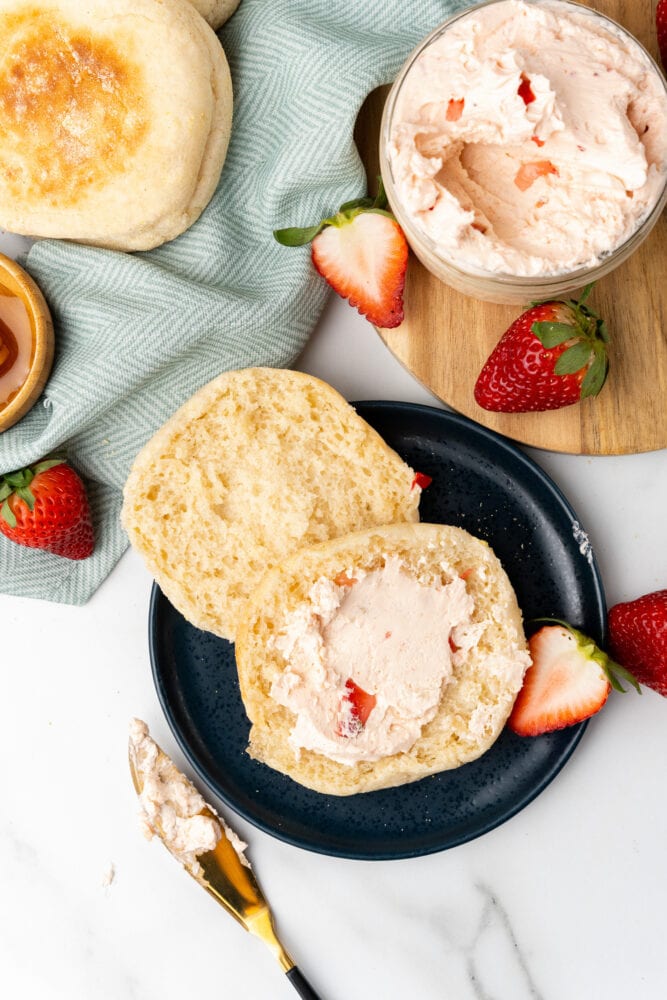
point(492, 286)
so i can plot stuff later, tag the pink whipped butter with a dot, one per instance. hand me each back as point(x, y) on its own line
point(529, 139)
point(389, 634)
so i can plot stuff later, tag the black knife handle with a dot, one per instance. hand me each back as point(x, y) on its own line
point(303, 988)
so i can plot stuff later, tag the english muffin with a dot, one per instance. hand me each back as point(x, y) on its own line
point(216, 12)
point(380, 657)
point(258, 463)
point(115, 118)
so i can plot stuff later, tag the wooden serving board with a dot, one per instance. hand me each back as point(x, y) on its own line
point(446, 337)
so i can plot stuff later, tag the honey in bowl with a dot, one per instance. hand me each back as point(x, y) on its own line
point(16, 345)
point(26, 342)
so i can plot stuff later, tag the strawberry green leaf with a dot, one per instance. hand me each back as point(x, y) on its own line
point(26, 494)
point(295, 237)
point(5, 490)
point(552, 334)
point(381, 197)
point(357, 203)
point(614, 671)
point(7, 515)
point(595, 377)
point(22, 477)
point(48, 463)
point(573, 359)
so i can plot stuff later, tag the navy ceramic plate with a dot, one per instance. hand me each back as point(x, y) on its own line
point(482, 483)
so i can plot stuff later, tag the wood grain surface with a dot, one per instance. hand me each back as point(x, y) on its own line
point(446, 336)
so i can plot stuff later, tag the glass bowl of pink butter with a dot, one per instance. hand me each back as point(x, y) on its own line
point(523, 148)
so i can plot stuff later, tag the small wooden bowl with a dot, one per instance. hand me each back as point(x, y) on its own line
point(19, 283)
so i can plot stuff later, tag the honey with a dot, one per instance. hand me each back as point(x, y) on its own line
point(16, 345)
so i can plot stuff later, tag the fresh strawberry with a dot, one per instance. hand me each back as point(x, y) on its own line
point(362, 253)
point(638, 638)
point(569, 680)
point(46, 507)
point(553, 355)
point(357, 706)
point(661, 28)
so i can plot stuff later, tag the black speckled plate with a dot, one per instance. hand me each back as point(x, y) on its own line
point(486, 485)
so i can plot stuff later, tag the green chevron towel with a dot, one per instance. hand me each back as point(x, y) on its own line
point(138, 334)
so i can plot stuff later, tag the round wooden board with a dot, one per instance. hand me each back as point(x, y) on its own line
point(446, 337)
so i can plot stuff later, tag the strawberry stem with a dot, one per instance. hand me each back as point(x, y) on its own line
point(295, 236)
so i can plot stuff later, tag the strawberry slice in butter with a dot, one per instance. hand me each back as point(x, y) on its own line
point(356, 706)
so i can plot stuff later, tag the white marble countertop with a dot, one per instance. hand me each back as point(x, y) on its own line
point(563, 902)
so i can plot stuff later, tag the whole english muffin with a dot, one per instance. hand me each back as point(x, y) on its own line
point(314, 677)
point(115, 118)
point(256, 464)
point(216, 12)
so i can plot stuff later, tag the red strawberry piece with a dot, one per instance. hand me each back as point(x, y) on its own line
point(357, 706)
point(455, 110)
point(553, 355)
point(528, 173)
point(362, 253)
point(421, 480)
point(569, 680)
point(46, 507)
point(638, 638)
point(661, 29)
point(526, 91)
point(536, 139)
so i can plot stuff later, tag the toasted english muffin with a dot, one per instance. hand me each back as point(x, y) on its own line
point(285, 635)
point(258, 463)
point(115, 118)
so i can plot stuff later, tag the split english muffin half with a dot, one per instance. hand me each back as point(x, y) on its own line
point(258, 463)
point(115, 117)
point(381, 657)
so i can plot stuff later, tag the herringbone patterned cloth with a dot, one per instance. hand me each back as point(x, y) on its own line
point(138, 334)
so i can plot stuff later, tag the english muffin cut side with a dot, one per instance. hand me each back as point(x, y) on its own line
point(381, 657)
point(215, 12)
point(258, 463)
point(111, 113)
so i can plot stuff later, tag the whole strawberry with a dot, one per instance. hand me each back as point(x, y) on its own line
point(661, 28)
point(638, 638)
point(362, 253)
point(45, 507)
point(553, 355)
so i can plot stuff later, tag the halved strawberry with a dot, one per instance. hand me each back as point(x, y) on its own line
point(569, 680)
point(362, 253)
point(357, 706)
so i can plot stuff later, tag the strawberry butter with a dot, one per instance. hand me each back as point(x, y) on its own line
point(367, 658)
point(527, 139)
